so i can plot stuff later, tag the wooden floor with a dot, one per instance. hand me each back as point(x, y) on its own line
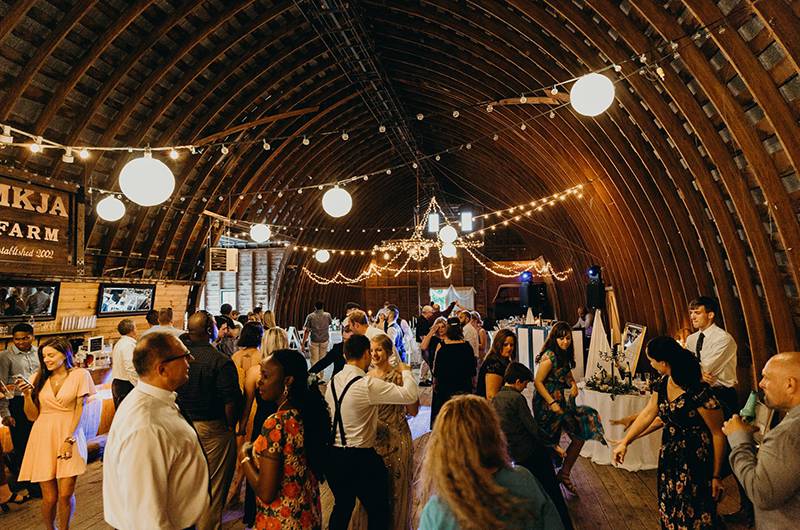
point(610, 498)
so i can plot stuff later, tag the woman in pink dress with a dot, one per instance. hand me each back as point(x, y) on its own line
point(56, 452)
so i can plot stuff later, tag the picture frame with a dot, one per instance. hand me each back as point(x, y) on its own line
point(125, 299)
point(632, 342)
point(24, 299)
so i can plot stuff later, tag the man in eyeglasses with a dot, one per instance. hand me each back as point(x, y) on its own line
point(212, 400)
point(154, 471)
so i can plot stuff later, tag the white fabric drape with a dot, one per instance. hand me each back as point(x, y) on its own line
point(465, 296)
point(599, 343)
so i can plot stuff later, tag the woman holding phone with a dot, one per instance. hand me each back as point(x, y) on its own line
point(56, 452)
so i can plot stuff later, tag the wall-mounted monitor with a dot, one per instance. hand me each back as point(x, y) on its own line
point(117, 299)
point(28, 299)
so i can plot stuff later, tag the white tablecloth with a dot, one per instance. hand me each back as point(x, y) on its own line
point(643, 453)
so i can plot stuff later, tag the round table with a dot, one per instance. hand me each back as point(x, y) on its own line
point(643, 453)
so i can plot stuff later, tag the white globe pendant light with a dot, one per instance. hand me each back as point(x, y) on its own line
point(337, 202)
point(260, 232)
point(110, 209)
point(449, 250)
point(146, 181)
point(592, 94)
point(322, 255)
point(448, 234)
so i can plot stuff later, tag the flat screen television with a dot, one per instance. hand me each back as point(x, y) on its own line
point(117, 299)
point(28, 299)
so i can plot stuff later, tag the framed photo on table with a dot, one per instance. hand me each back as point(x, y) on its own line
point(632, 342)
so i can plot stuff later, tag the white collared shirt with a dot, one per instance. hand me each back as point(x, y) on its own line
point(718, 355)
point(359, 411)
point(122, 360)
point(471, 336)
point(154, 473)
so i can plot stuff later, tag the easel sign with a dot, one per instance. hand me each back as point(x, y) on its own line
point(632, 342)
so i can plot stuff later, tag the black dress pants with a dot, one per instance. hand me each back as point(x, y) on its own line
point(358, 473)
point(19, 437)
point(119, 389)
point(541, 466)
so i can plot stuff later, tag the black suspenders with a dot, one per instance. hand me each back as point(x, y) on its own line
point(337, 415)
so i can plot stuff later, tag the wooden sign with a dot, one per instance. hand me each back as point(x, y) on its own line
point(35, 225)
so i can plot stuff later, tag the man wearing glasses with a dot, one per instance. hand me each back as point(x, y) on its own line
point(154, 471)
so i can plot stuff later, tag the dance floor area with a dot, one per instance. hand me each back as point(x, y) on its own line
point(610, 498)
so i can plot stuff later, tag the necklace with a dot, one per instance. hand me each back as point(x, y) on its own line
point(56, 385)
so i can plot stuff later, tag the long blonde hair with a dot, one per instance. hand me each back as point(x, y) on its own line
point(466, 446)
point(274, 339)
point(268, 318)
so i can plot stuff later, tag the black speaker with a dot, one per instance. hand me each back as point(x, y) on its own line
point(596, 296)
point(534, 296)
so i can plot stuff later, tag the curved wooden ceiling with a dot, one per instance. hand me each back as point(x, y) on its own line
point(694, 175)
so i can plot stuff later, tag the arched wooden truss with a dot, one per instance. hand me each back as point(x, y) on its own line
point(694, 176)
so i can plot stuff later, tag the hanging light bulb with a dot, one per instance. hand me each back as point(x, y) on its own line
point(266, 145)
point(173, 154)
point(36, 146)
point(83, 153)
point(337, 202)
point(146, 180)
point(345, 136)
point(322, 255)
point(448, 234)
point(449, 250)
point(306, 141)
point(455, 114)
point(110, 209)
point(224, 150)
point(523, 99)
point(260, 232)
point(382, 129)
point(592, 94)
point(420, 116)
point(386, 256)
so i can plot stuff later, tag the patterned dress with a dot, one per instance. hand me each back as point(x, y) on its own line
point(580, 422)
point(393, 444)
point(297, 505)
point(685, 461)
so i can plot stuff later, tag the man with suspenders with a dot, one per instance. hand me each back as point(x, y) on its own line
point(356, 470)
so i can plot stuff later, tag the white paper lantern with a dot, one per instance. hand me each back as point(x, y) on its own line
point(449, 250)
point(448, 234)
point(337, 202)
point(592, 94)
point(146, 181)
point(322, 255)
point(260, 232)
point(110, 209)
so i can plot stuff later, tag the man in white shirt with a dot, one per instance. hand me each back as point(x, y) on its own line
point(123, 373)
point(356, 470)
point(470, 333)
point(154, 473)
point(165, 318)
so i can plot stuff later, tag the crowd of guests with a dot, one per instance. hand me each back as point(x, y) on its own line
point(194, 425)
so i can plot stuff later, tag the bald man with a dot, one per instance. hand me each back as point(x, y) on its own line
point(211, 399)
point(771, 474)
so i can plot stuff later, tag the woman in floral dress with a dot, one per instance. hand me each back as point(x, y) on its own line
point(291, 450)
point(392, 442)
point(692, 444)
point(552, 410)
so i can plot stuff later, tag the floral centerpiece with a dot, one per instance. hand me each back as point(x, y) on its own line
point(603, 381)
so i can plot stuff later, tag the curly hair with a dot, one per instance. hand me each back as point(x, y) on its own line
point(466, 446)
point(560, 330)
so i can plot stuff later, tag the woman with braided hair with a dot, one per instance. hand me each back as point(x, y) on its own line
point(473, 483)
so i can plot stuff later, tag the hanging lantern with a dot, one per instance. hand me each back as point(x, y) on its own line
point(110, 209)
point(448, 234)
point(322, 255)
point(146, 181)
point(337, 202)
point(449, 250)
point(592, 94)
point(260, 232)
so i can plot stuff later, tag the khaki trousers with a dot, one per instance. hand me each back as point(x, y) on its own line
point(317, 350)
point(219, 445)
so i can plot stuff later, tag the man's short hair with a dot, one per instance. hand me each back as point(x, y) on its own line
point(154, 348)
point(22, 327)
point(394, 309)
point(126, 326)
point(355, 347)
point(517, 372)
point(358, 317)
point(226, 309)
point(427, 309)
point(165, 315)
point(351, 305)
point(465, 312)
point(710, 304)
point(318, 305)
point(223, 319)
point(152, 317)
